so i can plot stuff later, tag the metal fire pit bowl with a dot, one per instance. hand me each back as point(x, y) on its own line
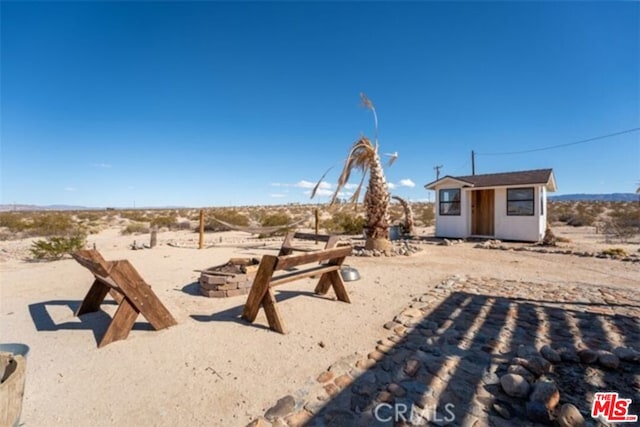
point(349, 274)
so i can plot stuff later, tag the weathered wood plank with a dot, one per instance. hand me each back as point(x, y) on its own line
point(140, 294)
point(338, 286)
point(91, 302)
point(259, 288)
point(121, 324)
point(288, 261)
point(301, 274)
point(272, 312)
point(92, 260)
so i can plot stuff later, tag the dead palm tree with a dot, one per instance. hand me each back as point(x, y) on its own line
point(363, 155)
point(408, 215)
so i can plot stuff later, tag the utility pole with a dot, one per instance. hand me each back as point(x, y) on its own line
point(437, 168)
point(473, 162)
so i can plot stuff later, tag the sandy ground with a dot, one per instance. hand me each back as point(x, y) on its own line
point(212, 368)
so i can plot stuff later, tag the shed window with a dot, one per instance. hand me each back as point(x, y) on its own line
point(520, 201)
point(450, 201)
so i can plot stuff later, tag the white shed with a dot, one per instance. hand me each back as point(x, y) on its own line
point(505, 206)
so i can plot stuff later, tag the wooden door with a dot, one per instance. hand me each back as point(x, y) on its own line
point(482, 213)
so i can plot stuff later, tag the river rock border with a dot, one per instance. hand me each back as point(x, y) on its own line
point(503, 352)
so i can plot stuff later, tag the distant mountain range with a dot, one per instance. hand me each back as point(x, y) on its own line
point(4, 208)
point(613, 197)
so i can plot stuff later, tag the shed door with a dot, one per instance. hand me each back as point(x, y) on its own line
point(482, 212)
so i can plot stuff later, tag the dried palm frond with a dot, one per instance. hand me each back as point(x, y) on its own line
point(366, 102)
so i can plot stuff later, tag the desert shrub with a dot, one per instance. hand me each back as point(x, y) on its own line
point(56, 247)
point(13, 221)
point(623, 222)
point(134, 215)
point(426, 215)
point(344, 223)
point(165, 221)
point(615, 252)
point(275, 220)
point(135, 228)
point(227, 215)
point(183, 225)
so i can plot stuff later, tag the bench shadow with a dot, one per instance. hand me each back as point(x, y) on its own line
point(234, 314)
point(97, 322)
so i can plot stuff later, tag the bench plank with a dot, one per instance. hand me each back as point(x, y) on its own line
point(301, 274)
point(288, 261)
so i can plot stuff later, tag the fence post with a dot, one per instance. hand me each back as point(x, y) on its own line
point(317, 225)
point(201, 240)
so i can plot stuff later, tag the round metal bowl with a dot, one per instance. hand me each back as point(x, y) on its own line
point(349, 274)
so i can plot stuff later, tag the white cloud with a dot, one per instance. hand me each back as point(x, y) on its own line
point(391, 185)
point(324, 185)
point(102, 165)
point(351, 186)
point(277, 195)
point(406, 183)
point(321, 192)
point(70, 189)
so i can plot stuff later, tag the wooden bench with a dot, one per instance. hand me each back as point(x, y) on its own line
point(288, 248)
point(133, 295)
point(276, 270)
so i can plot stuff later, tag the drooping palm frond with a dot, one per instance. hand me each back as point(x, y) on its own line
point(368, 104)
point(315, 188)
point(360, 157)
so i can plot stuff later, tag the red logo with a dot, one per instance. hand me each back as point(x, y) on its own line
point(611, 408)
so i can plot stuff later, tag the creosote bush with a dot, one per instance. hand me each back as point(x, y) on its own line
point(344, 223)
point(275, 220)
point(227, 215)
point(55, 247)
point(136, 228)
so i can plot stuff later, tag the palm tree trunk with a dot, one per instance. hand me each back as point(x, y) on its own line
point(376, 202)
point(408, 215)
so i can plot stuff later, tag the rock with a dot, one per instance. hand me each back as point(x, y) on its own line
point(587, 356)
point(525, 351)
point(324, 377)
point(503, 409)
point(299, 418)
point(411, 367)
point(258, 422)
point(568, 355)
point(343, 381)
point(514, 385)
point(550, 354)
point(282, 408)
point(538, 412)
point(627, 354)
point(608, 360)
point(547, 393)
point(523, 372)
point(536, 365)
point(569, 416)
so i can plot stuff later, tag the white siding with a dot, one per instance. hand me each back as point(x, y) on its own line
point(525, 228)
point(454, 226)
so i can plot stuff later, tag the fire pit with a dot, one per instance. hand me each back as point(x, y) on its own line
point(230, 279)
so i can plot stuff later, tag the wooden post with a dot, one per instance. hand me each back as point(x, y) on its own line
point(201, 241)
point(154, 238)
point(317, 224)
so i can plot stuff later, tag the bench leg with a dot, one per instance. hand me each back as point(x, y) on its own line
point(121, 324)
point(259, 288)
point(333, 279)
point(272, 312)
point(94, 298)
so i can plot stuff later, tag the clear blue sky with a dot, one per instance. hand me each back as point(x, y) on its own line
point(212, 104)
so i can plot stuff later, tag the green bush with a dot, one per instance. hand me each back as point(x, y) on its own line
point(56, 247)
point(344, 223)
point(135, 228)
point(275, 220)
point(427, 215)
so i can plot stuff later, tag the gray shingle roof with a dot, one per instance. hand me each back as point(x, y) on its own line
point(538, 176)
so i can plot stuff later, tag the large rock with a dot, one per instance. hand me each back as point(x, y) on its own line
point(538, 412)
point(627, 354)
point(547, 393)
point(608, 360)
point(587, 356)
point(515, 385)
point(523, 372)
point(569, 416)
point(550, 354)
point(282, 408)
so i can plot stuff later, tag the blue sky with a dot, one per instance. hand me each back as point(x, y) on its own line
point(213, 104)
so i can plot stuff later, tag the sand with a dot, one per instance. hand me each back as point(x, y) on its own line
point(212, 368)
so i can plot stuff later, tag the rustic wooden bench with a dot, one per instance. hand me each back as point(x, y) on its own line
point(276, 270)
point(133, 295)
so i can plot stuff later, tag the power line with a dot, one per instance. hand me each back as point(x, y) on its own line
point(609, 135)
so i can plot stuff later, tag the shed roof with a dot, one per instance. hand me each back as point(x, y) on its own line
point(503, 179)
